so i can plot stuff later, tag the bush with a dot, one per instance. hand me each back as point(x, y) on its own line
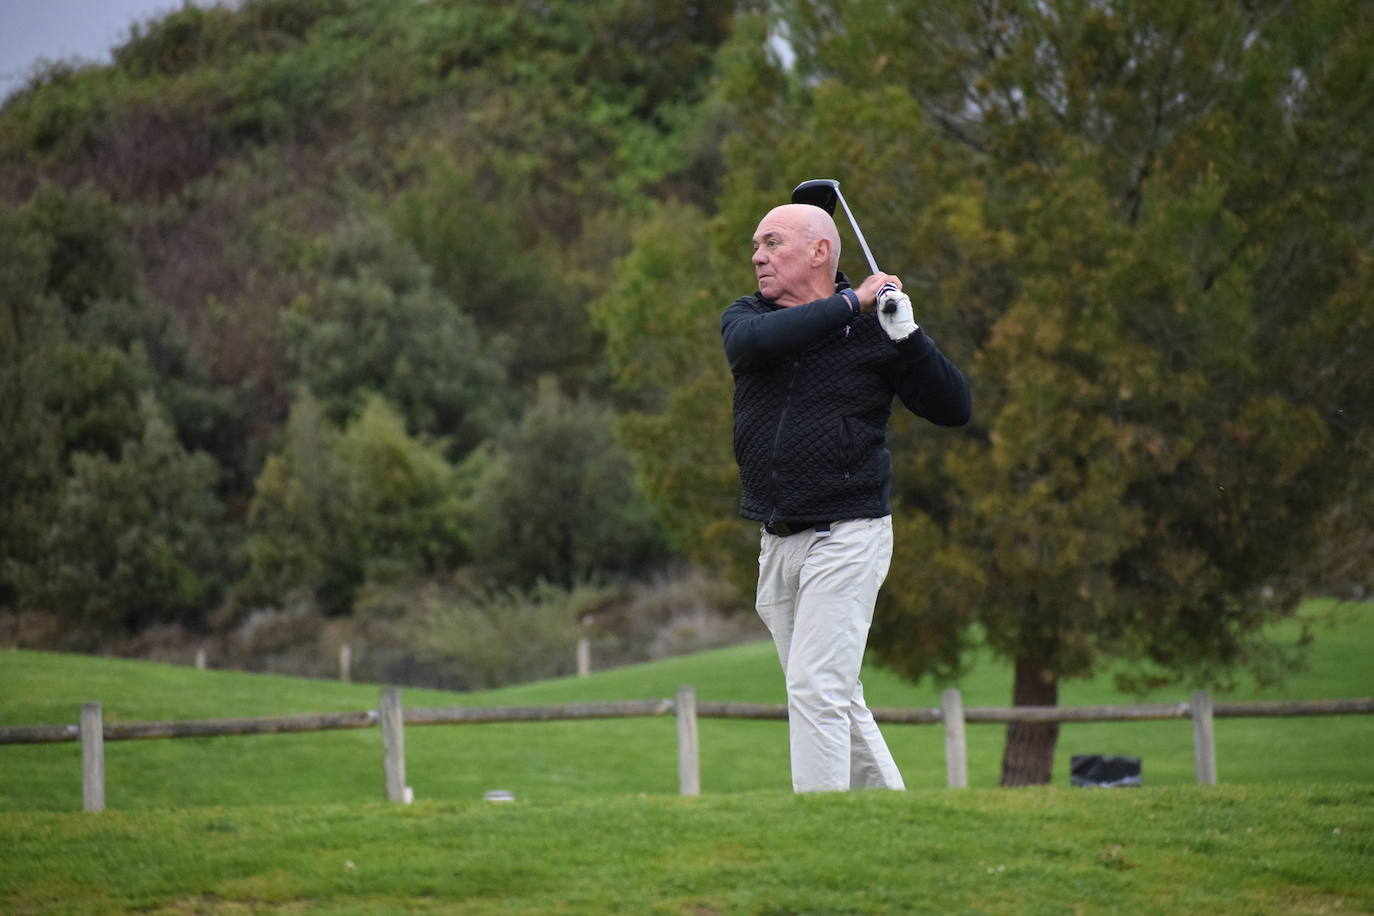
point(444, 633)
point(377, 325)
point(89, 257)
point(673, 612)
point(449, 633)
point(175, 43)
point(558, 501)
point(138, 540)
point(334, 510)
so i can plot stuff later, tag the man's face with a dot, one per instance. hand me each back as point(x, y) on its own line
point(786, 261)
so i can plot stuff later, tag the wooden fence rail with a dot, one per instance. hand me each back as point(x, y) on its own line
point(93, 732)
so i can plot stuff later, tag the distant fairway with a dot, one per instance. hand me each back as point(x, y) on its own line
point(569, 760)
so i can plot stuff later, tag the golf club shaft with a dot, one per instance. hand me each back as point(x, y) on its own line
point(889, 307)
point(806, 193)
point(863, 243)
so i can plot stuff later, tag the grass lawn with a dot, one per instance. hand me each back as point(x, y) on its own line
point(1224, 849)
point(295, 823)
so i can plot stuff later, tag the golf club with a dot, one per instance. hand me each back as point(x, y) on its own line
point(823, 192)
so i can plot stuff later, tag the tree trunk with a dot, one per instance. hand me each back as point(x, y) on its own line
point(1028, 759)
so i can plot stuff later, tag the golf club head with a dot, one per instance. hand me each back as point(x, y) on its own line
point(818, 192)
point(825, 193)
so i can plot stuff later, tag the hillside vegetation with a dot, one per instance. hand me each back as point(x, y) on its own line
point(297, 334)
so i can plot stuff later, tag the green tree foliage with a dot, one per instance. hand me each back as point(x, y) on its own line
point(483, 272)
point(89, 258)
point(509, 278)
point(1142, 230)
point(137, 539)
point(299, 530)
point(403, 494)
point(661, 319)
point(557, 500)
point(378, 326)
point(333, 510)
point(112, 342)
point(199, 204)
point(83, 348)
point(30, 456)
point(95, 392)
point(96, 378)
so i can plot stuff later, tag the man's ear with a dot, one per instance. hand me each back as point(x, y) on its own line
point(822, 253)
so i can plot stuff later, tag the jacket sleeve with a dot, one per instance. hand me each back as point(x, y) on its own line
point(753, 339)
point(929, 384)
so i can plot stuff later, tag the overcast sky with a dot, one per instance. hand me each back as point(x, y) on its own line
point(62, 29)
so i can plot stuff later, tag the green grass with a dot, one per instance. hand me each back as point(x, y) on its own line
point(571, 760)
point(295, 822)
point(1225, 849)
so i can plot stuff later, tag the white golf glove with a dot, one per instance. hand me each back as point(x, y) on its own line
point(900, 321)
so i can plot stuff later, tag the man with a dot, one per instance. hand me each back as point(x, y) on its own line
point(816, 364)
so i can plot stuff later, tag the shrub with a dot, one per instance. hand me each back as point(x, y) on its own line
point(558, 501)
point(444, 633)
point(378, 325)
point(137, 540)
point(334, 510)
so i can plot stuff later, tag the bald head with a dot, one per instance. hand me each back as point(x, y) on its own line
point(814, 224)
point(796, 254)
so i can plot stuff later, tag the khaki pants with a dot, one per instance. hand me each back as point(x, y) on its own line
point(815, 594)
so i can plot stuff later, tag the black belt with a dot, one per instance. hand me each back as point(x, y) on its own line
point(784, 529)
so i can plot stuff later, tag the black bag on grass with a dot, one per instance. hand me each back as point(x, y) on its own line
point(1102, 772)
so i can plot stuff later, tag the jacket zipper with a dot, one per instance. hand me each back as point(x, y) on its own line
point(777, 440)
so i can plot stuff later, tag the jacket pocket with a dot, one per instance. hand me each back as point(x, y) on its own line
point(847, 447)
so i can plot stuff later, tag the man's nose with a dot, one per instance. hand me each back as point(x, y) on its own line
point(759, 257)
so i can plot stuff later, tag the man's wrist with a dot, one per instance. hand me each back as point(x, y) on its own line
point(853, 299)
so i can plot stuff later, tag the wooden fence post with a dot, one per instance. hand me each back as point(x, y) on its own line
point(393, 745)
point(688, 757)
point(200, 659)
point(584, 657)
point(92, 757)
point(1204, 738)
point(345, 662)
point(956, 748)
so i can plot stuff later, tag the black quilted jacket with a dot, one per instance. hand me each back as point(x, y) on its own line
point(813, 393)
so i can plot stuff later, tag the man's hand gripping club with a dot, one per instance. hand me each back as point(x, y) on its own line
point(882, 293)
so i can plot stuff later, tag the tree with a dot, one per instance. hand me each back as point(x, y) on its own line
point(378, 326)
point(138, 539)
point(557, 501)
point(334, 510)
point(30, 457)
point(404, 496)
point(661, 319)
point(82, 348)
point(1139, 228)
point(299, 529)
point(89, 258)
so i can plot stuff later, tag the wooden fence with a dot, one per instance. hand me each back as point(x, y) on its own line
point(93, 732)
